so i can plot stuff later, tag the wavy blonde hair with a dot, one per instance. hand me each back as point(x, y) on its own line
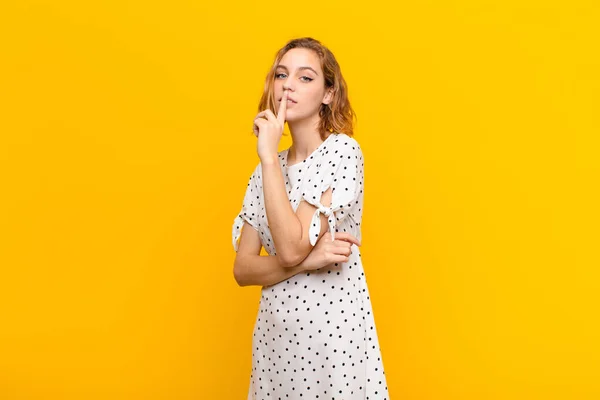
point(337, 116)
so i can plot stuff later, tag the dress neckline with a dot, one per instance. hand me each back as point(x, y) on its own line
point(303, 162)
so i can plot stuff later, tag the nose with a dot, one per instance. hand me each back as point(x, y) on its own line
point(287, 84)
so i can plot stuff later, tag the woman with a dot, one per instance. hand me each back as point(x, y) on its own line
point(315, 335)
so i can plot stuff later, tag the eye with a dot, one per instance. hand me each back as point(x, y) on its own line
point(308, 79)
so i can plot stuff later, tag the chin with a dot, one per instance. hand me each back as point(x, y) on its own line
point(291, 118)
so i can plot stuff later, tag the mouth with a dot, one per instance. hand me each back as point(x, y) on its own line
point(289, 100)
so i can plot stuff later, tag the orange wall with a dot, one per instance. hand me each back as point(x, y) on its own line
point(126, 146)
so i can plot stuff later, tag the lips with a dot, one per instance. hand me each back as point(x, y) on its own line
point(293, 101)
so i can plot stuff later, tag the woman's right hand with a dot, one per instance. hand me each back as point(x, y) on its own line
point(326, 251)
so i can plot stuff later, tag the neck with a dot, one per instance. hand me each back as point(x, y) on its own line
point(305, 138)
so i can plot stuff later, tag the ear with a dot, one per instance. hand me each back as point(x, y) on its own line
point(328, 98)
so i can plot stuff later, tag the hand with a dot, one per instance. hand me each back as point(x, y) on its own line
point(326, 251)
point(269, 128)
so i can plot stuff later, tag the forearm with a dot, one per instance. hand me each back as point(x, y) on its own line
point(284, 225)
point(262, 270)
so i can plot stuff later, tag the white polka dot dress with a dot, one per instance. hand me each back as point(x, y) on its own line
point(315, 335)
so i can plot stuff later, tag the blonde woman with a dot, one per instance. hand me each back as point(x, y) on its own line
point(315, 335)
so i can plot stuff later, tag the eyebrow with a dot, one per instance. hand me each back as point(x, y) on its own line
point(300, 68)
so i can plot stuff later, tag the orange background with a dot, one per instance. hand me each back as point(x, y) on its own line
point(125, 150)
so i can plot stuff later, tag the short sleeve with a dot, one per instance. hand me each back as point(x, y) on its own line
point(249, 211)
point(344, 173)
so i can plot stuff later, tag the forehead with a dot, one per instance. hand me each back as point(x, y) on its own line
point(298, 57)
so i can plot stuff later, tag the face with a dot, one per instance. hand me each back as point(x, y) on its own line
point(305, 86)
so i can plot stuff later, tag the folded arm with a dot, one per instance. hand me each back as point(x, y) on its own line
point(289, 230)
point(251, 268)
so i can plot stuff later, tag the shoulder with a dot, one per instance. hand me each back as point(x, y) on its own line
point(346, 149)
point(342, 141)
point(255, 175)
point(345, 138)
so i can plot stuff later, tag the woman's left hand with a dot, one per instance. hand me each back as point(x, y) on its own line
point(269, 128)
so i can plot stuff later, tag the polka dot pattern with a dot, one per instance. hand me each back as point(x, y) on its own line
point(315, 335)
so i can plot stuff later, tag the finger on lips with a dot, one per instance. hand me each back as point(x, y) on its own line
point(282, 107)
point(268, 115)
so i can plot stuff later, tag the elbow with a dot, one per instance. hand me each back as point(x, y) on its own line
point(288, 259)
point(238, 275)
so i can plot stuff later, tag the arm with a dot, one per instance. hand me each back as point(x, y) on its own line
point(251, 268)
point(288, 229)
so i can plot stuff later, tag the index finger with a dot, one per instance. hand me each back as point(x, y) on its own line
point(347, 237)
point(282, 108)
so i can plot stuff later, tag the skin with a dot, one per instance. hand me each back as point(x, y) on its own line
point(251, 268)
point(307, 87)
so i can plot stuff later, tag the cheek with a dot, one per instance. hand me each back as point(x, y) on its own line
point(309, 99)
point(316, 99)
